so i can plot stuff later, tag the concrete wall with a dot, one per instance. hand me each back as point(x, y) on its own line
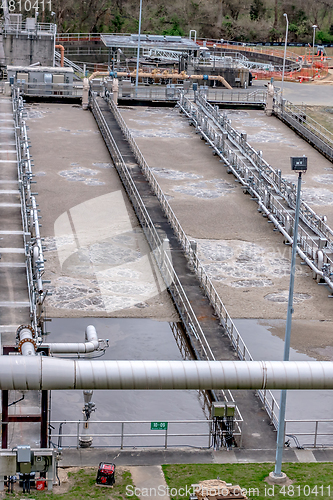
point(23, 49)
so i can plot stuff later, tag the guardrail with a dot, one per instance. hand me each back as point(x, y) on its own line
point(30, 218)
point(280, 185)
point(50, 90)
point(67, 62)
point(81, 37)
point(237, 341)
point(247, 48)
point(160, 249)
point(130, 434)
point(275, 196)
point(314, 429)
point(311, 130)
point(172, 93)
point(17, 28)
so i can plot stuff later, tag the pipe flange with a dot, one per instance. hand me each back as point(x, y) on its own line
point(23, 341)
point(20, 342)
point(24, 327)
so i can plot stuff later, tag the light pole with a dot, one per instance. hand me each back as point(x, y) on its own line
point(298, 164)
point(285, 52)
point(313, 43)
point(138, 54)
point(214, 47)
point(53, 15)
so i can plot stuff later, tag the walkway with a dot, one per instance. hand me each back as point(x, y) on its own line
point(218, 341)
point(14, 300)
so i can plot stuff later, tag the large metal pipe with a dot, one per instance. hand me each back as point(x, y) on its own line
point(164, 75)
point(39, 372)
point(62, 54)
point(91, 344)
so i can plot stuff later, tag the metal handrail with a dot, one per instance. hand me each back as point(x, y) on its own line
point(21, 27)
point(161, 257)
point(219, 308)
point(69, 63)
point(51, 89)
point(316, 432)
point(280, 185)
point(181, 235)
point(209, 42)
point(121, 435)
point(79, 37)
point(173, 93)
point(301, 120)
point(264, 183)
point(29, 215)
point(164, 264)
point(204, 279)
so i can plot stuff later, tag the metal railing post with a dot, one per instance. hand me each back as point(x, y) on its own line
point(122, 436)
point(316, 434)
point(78, 434)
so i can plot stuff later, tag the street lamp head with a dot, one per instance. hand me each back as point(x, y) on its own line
point(314, 26)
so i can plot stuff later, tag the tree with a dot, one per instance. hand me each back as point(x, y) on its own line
point(235, 7)
point(257, 10)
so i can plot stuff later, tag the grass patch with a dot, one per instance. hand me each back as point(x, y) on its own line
point(82, 486)
point(308, 480)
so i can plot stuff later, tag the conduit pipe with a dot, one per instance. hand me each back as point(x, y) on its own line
point(92, 344)
point(62, 54)
point(37, 256)
point(290, 240)
point(40, 372)
point(173, 76)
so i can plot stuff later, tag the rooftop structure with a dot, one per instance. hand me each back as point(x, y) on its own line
point(149, 42)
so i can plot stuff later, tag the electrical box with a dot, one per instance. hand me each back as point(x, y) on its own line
point(30, 24)
point(23, 458)
point(218, 410)
point(221, 410)
point(22, 76)
point(39, 464)
point(230, 409)
point(58, 78)
point(299, 163)
point(23, 453)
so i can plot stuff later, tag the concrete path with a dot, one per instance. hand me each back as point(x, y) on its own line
point(149, 482)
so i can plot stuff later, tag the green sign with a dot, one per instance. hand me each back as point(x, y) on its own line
point(158, 426)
